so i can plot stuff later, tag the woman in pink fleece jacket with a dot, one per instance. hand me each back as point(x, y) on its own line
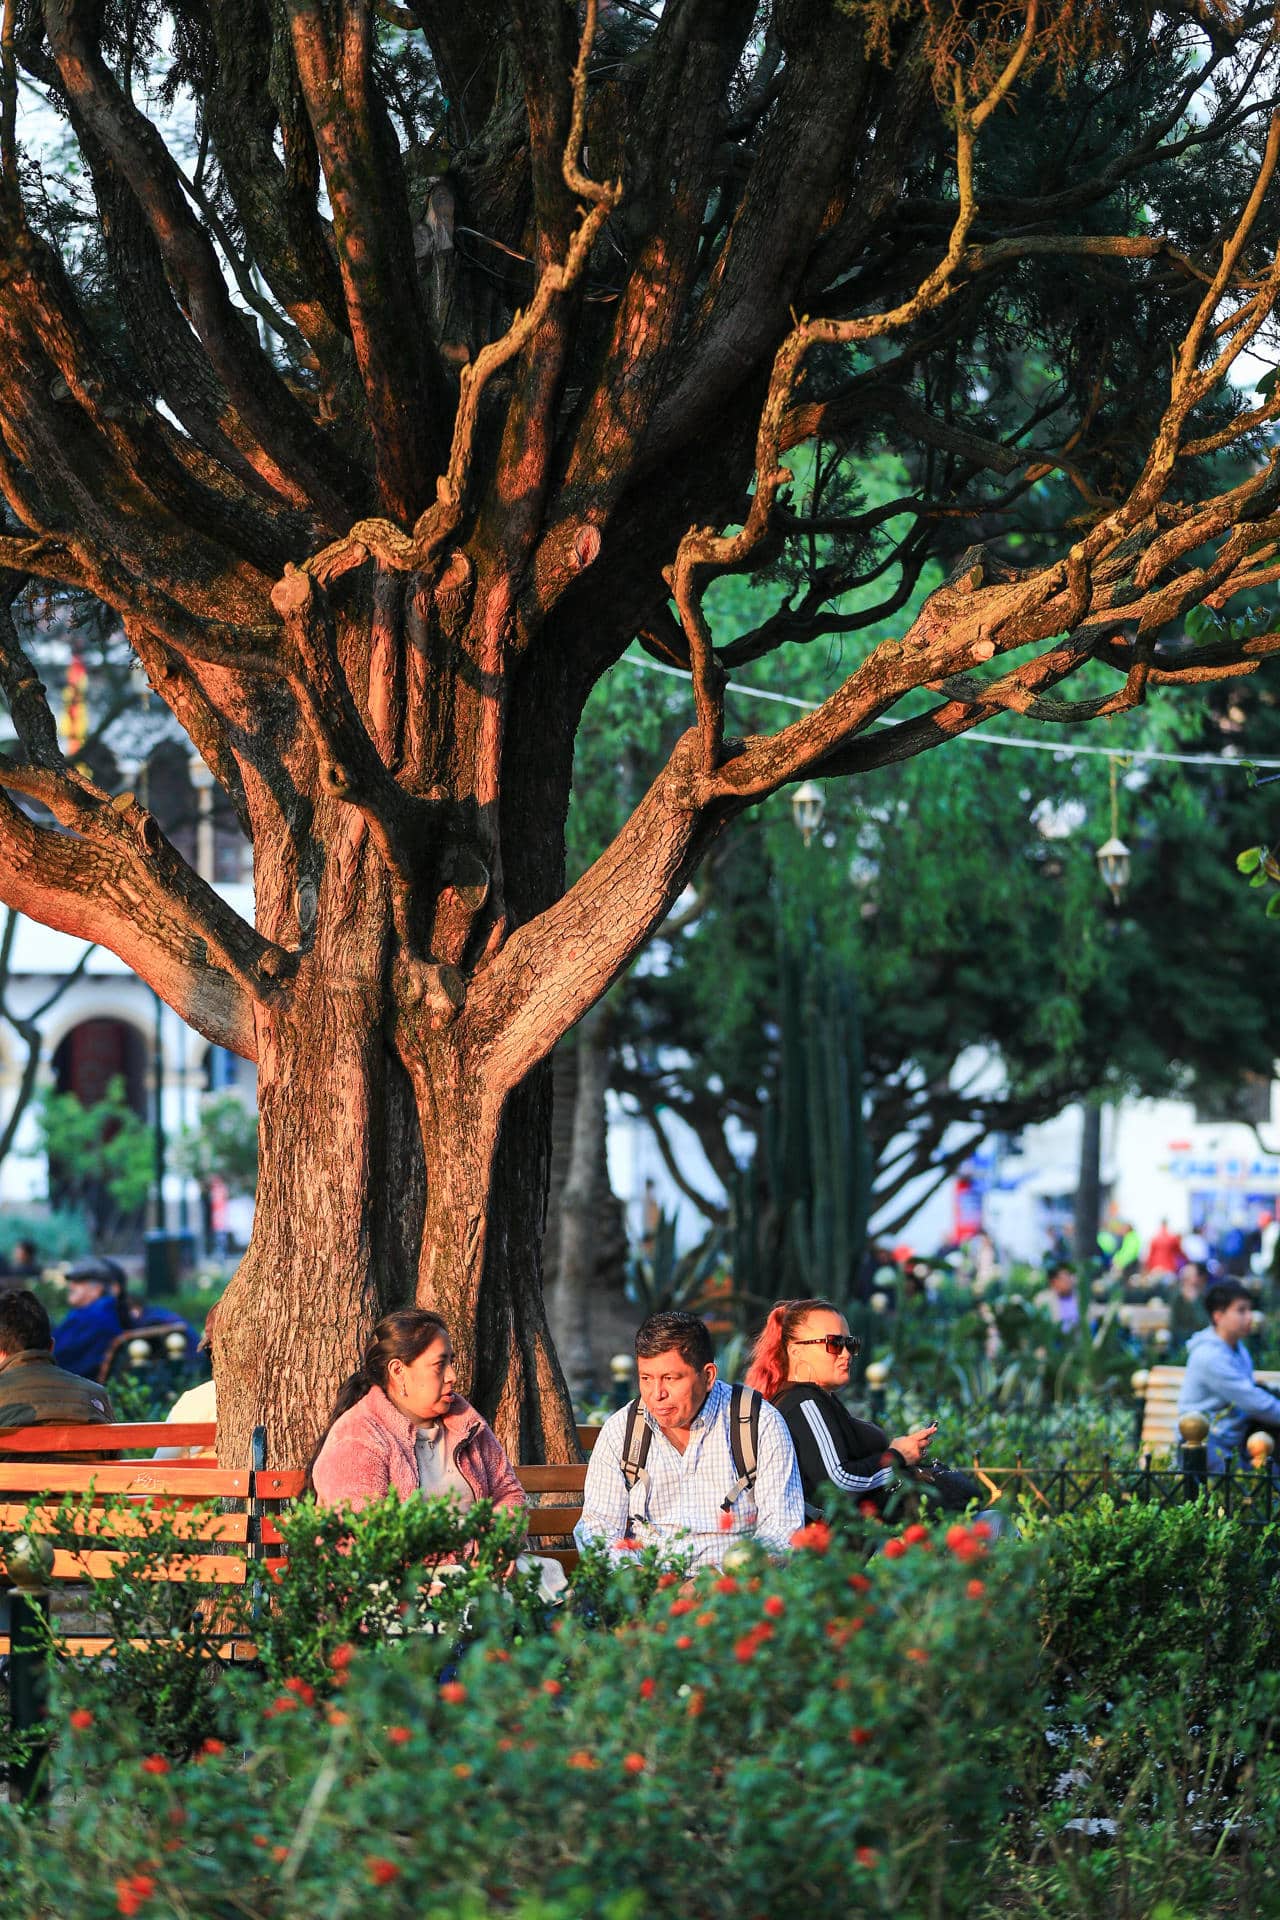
point(399, 1424)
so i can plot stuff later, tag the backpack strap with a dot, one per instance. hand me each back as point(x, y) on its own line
point(744, 1441)
point(636, 1441)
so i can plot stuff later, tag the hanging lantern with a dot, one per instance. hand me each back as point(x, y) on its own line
point(808, 809)
point(1113, 855)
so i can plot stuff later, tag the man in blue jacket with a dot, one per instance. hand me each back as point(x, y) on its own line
point(81, 1337)
point(1219, 1380)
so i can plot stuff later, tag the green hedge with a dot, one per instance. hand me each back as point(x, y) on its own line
point(934, 1729)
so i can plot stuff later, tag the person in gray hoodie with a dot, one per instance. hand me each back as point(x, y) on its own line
point(1219, 1379)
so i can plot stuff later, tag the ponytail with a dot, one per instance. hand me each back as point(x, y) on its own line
point(767, 1368)
point(397, 1336)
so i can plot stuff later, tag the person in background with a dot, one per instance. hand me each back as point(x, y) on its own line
point(82, 1336)
point(1061, 1298)
point(198, 1403)
point(1165, 1253)
point(1186, 1305)
point(33, 1391)
point(1219, 1380)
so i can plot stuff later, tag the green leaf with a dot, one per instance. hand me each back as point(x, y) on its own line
point(1250, 860)
point(1273, 907)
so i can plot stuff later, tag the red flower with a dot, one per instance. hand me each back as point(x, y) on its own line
point(866, 1857)
point(279, 1853)
point(697, 1700)
point(342, 1656)
point(453, 1693)
point(667, 1580)
point(499, 1654)
point(582, 1757)
point(746, 1648)
point(725, 1584)
point(683, 1605)
point(155, 1763)
point(399, 1736)
point(965, 1544)
point(461, 1771)
point(633, 1763)
point(283, 1703)
point(982, 1530)
point(685, 1641)
point(861, 1736)
point(81, 1718)
point(381, 1872)
point(648, 1687)
point(213, 1746)
point(915, 1534)
point(775, 1606)
point(305, 1692)
point(918, 1654)
point(975, 1589)
point(894, 1549)
point(726, 1523)
point(816, 1537)
point(859, 1582)
point(627, 1544)
point(552, 1687)
point(131, 1893)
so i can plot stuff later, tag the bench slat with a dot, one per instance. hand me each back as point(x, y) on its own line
point(137, 1524)
point(568, 1478)
point(228, 1570)
point(118, 1436)
point(147, 1476)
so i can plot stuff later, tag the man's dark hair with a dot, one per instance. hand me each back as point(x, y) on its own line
point(1062, 1266)
point(684, 1333)
point(1222, 1293)
point(24, 1324)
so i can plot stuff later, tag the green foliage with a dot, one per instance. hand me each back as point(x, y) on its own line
point(800, 1208)
point(224, 1145)
point(56, 1234)
point(352, 1579)
point(1178, 1595)
point(661, 1280)
point(100, 1148)
point(1076, 1724)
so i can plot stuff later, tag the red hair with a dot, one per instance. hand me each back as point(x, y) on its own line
point(767, 1368)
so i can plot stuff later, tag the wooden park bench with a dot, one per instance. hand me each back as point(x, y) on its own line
point(231, 1547)
point(1160, 1407)
point(122, 1495)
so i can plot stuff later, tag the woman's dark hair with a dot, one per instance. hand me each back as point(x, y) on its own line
point(24, 1324)
point(398, 1336)
point(683, 1333)
point(767, 1368)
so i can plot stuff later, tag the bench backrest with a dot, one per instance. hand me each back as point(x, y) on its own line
point(1160, 1408)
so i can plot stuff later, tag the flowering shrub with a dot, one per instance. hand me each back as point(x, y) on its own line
point(941, 1730)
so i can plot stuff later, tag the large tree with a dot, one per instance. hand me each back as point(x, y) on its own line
point(395, 365)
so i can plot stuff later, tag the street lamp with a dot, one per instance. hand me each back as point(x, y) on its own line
point(808, 809)
point(1113, 855)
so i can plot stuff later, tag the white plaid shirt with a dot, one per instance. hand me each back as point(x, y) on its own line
point(686, 1490)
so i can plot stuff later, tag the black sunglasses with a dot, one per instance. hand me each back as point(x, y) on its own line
point(834, 1343)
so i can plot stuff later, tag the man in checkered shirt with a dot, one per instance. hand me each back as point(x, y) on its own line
point(690, 1470)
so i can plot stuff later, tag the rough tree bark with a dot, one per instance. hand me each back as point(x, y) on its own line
point(376, 567)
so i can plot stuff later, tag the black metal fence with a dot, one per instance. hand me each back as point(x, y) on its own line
point(1250, 1494)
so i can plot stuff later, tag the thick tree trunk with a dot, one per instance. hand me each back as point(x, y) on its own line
point(321, 1264)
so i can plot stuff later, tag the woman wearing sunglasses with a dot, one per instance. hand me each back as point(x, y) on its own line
point(800, 1362)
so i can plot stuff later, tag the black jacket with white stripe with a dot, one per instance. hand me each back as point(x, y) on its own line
point(834, 1449)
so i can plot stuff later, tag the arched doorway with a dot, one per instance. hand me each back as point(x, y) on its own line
point(98, 1161)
